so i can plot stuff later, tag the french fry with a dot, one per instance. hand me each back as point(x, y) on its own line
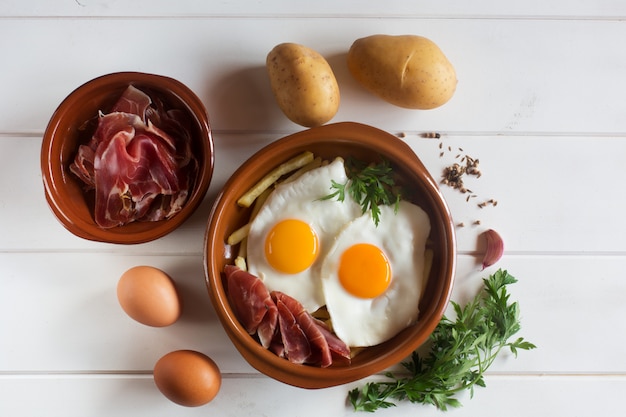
point(355, 350)
point(258, 203)
point(321, 314)
point(242, 255)
point(241, 235)
point(243, 248)
point(315, 163)
point(241, 263)
point(238, 235)
point(291, 165)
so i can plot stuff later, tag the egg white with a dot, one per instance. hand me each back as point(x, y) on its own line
point(402, 237)
point(300, 199)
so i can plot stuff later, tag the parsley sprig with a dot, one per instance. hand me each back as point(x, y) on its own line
point(370, 185)
point(461, 351)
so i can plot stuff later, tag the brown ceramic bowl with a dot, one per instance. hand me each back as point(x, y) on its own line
point(65, 132)
point(341, 139)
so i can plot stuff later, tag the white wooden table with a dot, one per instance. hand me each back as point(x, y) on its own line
point(541, 101)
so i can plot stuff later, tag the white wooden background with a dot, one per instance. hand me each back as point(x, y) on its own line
point(540, 101)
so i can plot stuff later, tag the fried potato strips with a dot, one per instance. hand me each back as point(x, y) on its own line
point(291, 165)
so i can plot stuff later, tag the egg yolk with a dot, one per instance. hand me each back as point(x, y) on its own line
point(291, 246)
point(364, 271)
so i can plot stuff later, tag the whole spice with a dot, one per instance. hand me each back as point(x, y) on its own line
point(461, 351)
point(453, 174)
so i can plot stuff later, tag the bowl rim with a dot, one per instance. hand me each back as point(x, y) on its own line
point(53, 174)
point(265, 361)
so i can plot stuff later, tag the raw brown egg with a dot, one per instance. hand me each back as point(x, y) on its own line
point(149, 296)
point(187, 377)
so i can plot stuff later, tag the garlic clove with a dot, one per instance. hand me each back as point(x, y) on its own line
point(495, 248)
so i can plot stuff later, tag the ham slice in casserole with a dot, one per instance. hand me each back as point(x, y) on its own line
point(139, 162)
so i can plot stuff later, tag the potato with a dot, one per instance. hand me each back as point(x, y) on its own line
point(303, 83)
point(407, 70)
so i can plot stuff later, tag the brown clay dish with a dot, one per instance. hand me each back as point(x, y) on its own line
point(64, 134)
point(341, 139)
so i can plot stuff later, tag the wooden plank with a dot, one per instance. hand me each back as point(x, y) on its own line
point(396, 8)
point(532, 65)
point(66, 303)
point(554, 186)
point(106, 395)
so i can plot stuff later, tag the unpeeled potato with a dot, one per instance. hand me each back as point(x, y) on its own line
point(303, 84)
point(406, 70)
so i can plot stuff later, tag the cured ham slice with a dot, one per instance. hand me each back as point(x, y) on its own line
point(133, 101)
point(320, 352)
point(252, 304)
point(336, 346)
point(267, 328)
point(295, 342)
point(281, 322)
point(138, 161)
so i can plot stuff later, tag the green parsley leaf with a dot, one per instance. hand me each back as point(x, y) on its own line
point(370, 185)
point(461, 351)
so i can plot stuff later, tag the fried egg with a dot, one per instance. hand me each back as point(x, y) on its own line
point(372, 276)
point(293, 231)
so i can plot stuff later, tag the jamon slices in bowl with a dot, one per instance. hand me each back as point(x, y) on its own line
point(127, 157)
point(281, 323)
point(138, 162)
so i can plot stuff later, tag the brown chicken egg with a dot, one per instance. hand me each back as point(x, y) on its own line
point(187, 377)
point(149, 296)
